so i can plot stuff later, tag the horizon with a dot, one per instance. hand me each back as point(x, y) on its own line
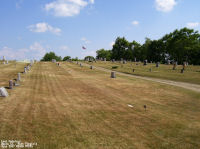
point(31, 29)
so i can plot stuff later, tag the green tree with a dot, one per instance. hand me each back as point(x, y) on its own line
point(120, 48)
point(66, 58)
point(135, 49)
point(181, 44)
point(90, 58)
point(102, 53)
point(51, 55)
point(75, 59)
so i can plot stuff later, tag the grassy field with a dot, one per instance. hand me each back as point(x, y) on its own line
point(68, 106)
point(190, 75)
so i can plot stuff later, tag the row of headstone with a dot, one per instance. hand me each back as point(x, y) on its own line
point(3, 92)
point(5, 62)
point(53, 60)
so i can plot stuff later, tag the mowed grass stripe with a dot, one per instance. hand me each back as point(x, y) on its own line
point(190, 75)
point(75, 107)
point(177, 96)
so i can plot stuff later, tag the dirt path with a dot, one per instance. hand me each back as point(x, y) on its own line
point(193, 87)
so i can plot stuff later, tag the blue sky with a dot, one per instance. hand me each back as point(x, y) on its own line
point(30, 28)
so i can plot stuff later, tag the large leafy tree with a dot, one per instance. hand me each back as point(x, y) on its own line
point(66, 58)
point(181, 44)
point(120, 49)
point(51, 55)
point(91, 58)
point(102, 53)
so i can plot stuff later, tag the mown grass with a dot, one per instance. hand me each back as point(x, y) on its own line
point(190, 75)
point(70, 107)
point(9, 72)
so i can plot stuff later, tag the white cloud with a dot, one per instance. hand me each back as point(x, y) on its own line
point(64, 48)
point(193, 24)
point(35, 51)
point(66, 8)
point(135, 23)
point(85, 40)
point(165, 5)
point(44, 27)
point(92, 1)
point(10, 54)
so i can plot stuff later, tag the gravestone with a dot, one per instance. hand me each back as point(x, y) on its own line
point(121, 60)
point(10, 84)
point(53, 60)
point(104, 59)
point(3, 92)
point(157, 64)
point(4, 58)
point(91, 67)
point(133, 70)
point(174, 65)
point(80, 64)
point(135, 59)
point(182, 70)
point(24, 69)
point(6, 62)
point(124, 61)
point(184, 65)
point(145, 107)
point(113, 60)
point(18, 77)
point(168, 62)
point(150, 69)
point(145, 62)
point(113, 74)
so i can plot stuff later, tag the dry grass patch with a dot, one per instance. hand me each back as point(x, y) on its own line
point(74, 107)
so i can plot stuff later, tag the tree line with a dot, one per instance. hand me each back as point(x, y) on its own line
point(51, 55)
point(178, 46)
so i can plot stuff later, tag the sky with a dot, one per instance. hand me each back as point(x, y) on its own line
point(30, 28)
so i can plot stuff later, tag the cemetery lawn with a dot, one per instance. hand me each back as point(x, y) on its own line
point(9, 72)
point(190, 75)
point(65, 107)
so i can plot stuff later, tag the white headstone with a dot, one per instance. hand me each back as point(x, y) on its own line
point(53, 60)
point(18, 77)
point(24, 69)
point(10, 84)
point(3, 92)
